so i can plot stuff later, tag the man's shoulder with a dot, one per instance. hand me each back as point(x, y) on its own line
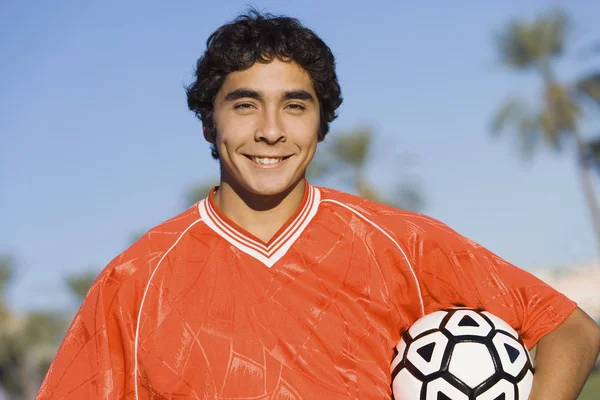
point(384, 215)
point(137, 261)
point(402, 224)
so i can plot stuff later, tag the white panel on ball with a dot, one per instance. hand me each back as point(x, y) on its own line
point(400, 347)
point(406, 386)
point(503, 387)
point(427, 367)
point(524, 387)
point(439, 385)
point(458, 352)
point(500, 324)
point(457, 327)
point(465, 356)
point(426, 323)
point(516, 365)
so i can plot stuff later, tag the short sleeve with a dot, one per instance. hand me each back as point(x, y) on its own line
point(454, 270)
point(94, 359)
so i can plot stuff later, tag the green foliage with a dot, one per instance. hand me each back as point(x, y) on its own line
point(6, 271)
point(509, 113)
point(528, 44)
point(27, 343)
point(589, 87)
point(134, 237)
point(352, 148)
point(199, 192)
point(554, 121)
point(591, 390)
point(346, 157)
point(535, 45)
point(80, 284)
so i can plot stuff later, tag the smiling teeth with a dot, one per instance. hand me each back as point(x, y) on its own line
point(266, 161)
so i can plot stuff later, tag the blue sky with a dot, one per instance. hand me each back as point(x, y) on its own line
point(96, 142)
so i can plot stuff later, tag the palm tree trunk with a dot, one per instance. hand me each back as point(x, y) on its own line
point(582, 162)
point(27, 376)
point(588, 187)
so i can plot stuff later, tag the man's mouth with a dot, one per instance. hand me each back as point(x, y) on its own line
point(267, 160)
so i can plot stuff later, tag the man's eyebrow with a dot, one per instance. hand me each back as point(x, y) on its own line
point(242, 93)
point(298, 95)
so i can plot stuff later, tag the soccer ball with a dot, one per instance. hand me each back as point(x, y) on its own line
point(461, 354)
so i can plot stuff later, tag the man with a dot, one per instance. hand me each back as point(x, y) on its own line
point(271, 288)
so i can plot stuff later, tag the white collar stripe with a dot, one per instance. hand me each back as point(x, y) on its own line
point(285, 236)
point(272, 253)
point(226, 229)
point(258, 246)
point(295, 224)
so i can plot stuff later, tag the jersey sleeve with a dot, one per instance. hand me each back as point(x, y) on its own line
point(456, 271)
point(94, 359)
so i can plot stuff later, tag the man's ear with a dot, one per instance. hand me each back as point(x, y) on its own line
point(208, 134)
point(320, 138)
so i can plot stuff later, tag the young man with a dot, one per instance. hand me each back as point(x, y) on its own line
point(272, 288)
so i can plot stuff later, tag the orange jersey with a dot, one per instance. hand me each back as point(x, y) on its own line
point(200, 309)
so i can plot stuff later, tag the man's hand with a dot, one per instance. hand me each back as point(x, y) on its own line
point(565, 357)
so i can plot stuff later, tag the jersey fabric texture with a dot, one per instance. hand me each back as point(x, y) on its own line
point(198, 308)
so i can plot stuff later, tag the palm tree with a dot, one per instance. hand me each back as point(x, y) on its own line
point(346, 157)
point(199, 192)
point(6, 323)
point(555, 119)
point(27, 342)
point(80, 284)
point(6, 272)
point(34, 341)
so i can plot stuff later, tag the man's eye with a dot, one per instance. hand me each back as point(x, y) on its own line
point(243, 106)
point(295, 106)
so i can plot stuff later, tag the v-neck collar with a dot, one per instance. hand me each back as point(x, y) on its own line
point(267, 253)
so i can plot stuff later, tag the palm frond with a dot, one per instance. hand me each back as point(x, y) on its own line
point(80, 284)
point(528, 135)
point(589, 87)
point(509, 113)
point(513, 46)
point(353, 147)
point(562, 107)
point(199, 192)
point(550, 31)
point(526, 44)
point(591, 156)
point(367, 191)
point(321, 165)
point(549, 128)
point(6, 269)
point(408, 197)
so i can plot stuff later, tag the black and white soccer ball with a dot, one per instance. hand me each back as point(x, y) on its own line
point(461, 354)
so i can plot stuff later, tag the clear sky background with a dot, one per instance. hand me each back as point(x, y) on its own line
point(97, 144)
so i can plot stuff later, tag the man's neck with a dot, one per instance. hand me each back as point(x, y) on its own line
point(262, 216)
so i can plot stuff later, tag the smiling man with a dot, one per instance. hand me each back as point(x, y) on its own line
point(267, 122)
point(272, 288)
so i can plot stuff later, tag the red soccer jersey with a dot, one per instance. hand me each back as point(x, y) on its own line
point(199, 308)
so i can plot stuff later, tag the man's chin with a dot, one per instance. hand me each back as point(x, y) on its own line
point(272, 189)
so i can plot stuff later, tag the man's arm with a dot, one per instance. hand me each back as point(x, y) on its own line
point(455, 270)
point(565, 357)
point(94, 361)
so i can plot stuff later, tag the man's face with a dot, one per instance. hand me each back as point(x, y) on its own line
point(267, 121)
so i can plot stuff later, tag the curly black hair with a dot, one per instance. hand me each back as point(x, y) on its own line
point(255, 37)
